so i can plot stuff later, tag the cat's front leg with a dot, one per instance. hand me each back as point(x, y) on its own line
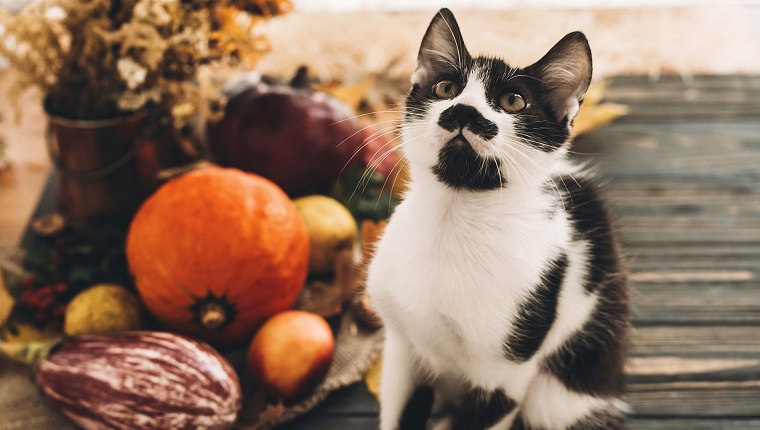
point(404, 405)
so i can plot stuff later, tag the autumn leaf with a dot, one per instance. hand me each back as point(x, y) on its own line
point(6, 302)
point(350, 94)
point(236, 37)
point(22, 333)
point(594, 114)
point(372, 380)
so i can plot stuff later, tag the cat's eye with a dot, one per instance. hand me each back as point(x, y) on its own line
point(446, 89)
point(512, 102)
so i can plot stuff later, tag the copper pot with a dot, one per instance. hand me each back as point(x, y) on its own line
point(110, 166)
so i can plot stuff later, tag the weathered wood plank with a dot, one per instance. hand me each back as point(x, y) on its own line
point(673, 368)
point(697, 341)
point(639, 262)
point(673, 98)
point(700, 304)
point(661, 423)
point(686, 251)
point(688, 230)
point(672, 192)
point(334, 422)
point(678, 83)
point(706, 211)
point(695, 398)
point(350, 401)
point(697, 151)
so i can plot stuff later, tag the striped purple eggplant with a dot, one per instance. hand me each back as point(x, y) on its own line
point(141, 380)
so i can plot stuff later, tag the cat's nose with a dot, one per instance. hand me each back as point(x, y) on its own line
point(464, 114)
point(461, 116)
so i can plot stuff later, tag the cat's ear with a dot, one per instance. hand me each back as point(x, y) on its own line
point(565, 74)
point(442, 48)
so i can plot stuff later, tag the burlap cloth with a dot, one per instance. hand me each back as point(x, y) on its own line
point(22, 407)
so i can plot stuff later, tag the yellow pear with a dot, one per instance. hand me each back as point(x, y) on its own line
point(102, 309)
point(331, 229)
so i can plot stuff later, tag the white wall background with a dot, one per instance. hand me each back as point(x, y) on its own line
point(409, 5)
point(386, 5)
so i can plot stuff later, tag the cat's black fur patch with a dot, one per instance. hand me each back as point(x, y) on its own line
point(536, 314)
point(417, 410)
point(481, 409)
point(459, 116)
point(591, 361)
point(591, 219)
point(460, 167)
point(518, 423)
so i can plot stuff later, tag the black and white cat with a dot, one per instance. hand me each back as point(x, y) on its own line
point(498, 278)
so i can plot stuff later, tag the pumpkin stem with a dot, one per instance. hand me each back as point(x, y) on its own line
point(213, 315)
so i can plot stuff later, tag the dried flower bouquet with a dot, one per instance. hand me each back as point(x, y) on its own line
point(96, 59)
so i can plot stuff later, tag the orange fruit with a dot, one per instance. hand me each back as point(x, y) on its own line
point(291, 353)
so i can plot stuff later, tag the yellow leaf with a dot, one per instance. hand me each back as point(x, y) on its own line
point(592, 117)
point(350, 94)
point(594, 114)
point(30, 353)
point(6, 302)
point(595, 92)
point(26, 343)
point(25, 333)
point(373, 377)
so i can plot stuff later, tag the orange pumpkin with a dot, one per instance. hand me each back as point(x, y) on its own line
point(216, 252)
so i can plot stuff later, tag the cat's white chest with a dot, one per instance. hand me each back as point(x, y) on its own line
point(450, 281)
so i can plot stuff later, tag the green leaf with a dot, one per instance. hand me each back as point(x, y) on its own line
point(83, 250)
point(84, 275)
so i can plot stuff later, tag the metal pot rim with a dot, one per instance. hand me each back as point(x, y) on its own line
point(97, 123)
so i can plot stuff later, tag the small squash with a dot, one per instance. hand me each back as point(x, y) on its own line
point(216, 252)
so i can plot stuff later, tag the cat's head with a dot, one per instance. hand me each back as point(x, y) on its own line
point(476, 123)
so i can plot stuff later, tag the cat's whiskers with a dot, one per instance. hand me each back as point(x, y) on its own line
point(400, 125)
point(368, 140)
point(389, 142)
point(372, 166)
point(527, 146)
point(398, 172)
point(385, 182)
point(364, 128)
point(399, 110)
point(516, 145)
point(501, 180)
point(519, 172)
point(366, 177)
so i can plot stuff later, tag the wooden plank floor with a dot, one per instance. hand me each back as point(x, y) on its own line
point(684, 179)
point(683, 172)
